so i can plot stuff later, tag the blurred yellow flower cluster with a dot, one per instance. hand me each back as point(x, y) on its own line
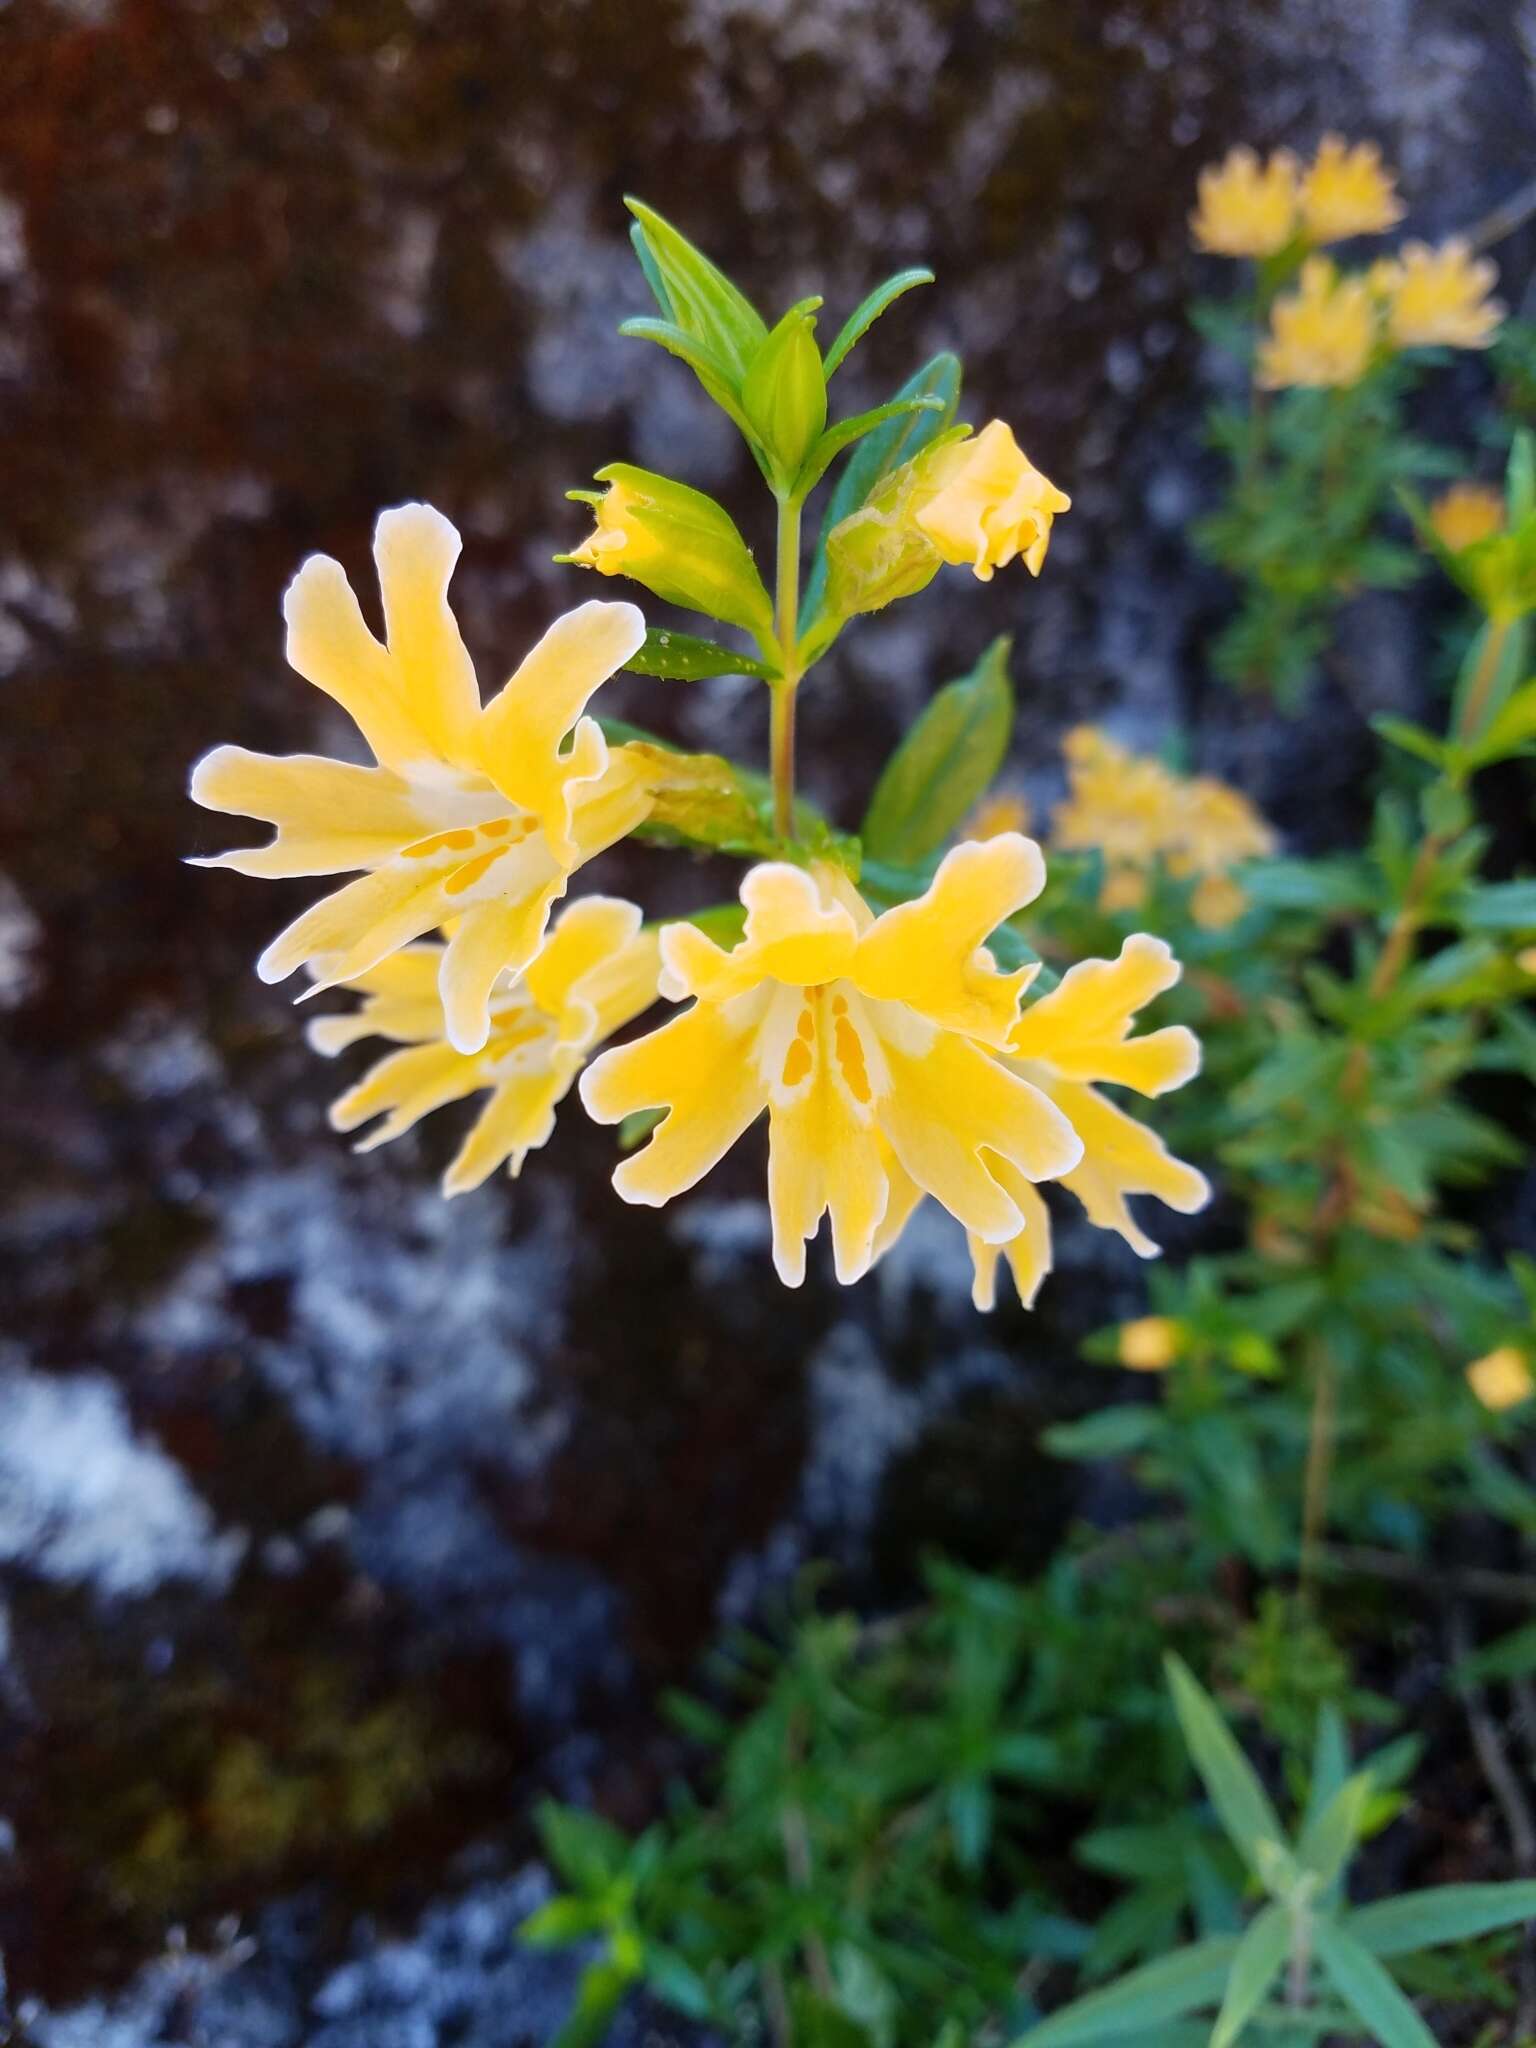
point(1465, 514)
point(1329, 330)
point(1251, 209)
point(1137, 812)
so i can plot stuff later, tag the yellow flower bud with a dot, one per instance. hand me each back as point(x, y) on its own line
point(1525, 960)
point(1501, 1379)
point(675, 541)
point(1150, 1343)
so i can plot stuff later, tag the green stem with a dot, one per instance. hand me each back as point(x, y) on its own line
point(786, 620)
point(1488, 663)
point(1314, 1514)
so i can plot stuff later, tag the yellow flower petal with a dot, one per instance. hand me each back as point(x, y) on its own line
point(522, 728)
point(1149, 1343)
point(821, 1158)
point(1348, 191)
point(416, 549)
point(1028, 1254)
point(929, 954)
point(795, 933)
point(700, 1069)
point(1502, 1378)
point(517, 1120)
point(331, 816)
point(1122, 1157)
point(953, 1112)
point(1081, 1029)
point(408, 1085)
point(1246, 209)
point(1323, 335)
point(981, 501)
point(493, 938)
point(1440, 298)
point(568, 977)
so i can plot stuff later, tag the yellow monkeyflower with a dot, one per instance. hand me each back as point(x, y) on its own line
point(1465, 514)
point(867, 1041)
point(1501, 1379)
point(474, 815)
point(1149, 1344)
point(1065, 1042)
point(982, 501)
point(1246, 209)
point(595, 971)
point(1439, 298)
point(1322, 335)
point(1348, 191)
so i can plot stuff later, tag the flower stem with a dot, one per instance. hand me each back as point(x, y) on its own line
point(786, 621)
point(1482, 682)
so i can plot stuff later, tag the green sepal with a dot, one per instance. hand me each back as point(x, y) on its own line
point(885, 448)
point(944, 764)
point(784, 392)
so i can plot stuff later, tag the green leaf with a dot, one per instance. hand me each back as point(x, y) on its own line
point(878, 453)
point(602, 1985)
point(684, 658)
point(1330, 1764)
point(714, 374)
point(1111, 1433)
point(586, 1851)
point(648, 264)
point(1368, 1991)
point(1513, 726)
point(1512, 1656)
point(843, 433)
point(864, 316)
point(1260, 1955)
point(969, 1806)
point(704, 302)
point(559, 1921)
point(1328, 1841)
point(1241, 1803)
point(1445, 1913)
point(1164, 1990)
point(944, 764)
point(1413, 739)
point(1499, 907)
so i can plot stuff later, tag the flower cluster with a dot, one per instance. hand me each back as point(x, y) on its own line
point(1251, 209)
point(1136, 813)
point(892, 1056)
point(1333, 327)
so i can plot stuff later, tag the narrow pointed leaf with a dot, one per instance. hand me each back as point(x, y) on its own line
point(1165, 1990)
point(944, 764)
point(1241, 1803)
point(1330, 1762)
point(1329, 1839)
point(684, 658)
point(1444, 1913)
point(710, 370)
point(648, 264)
point(704, 301)
point(864, 316)
point(1368, 1991)
point(1260, 1955)
point(844, 433)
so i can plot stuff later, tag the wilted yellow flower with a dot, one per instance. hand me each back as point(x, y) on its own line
point(1149, 1344)
point(595, 971)
point(1322, 335)
point(1003, 811)
point(982, 501)
point(1466, 514)
point(1439, 298)
point(869, 1041)
point(1246, 209)
point(1501, 1379)
point(473, 815)
point(1348, 191)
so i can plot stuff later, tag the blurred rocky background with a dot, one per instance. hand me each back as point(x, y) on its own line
point(336, 1523)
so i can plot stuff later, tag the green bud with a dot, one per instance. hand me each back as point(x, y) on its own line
point(784, 392)
point(678, 543)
